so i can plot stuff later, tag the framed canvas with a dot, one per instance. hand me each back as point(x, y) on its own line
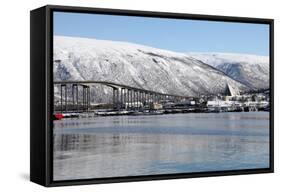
point(123, 95)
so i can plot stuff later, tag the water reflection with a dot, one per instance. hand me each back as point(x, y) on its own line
point(144, 145)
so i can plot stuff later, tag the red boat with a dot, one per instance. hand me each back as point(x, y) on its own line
point(58, 116)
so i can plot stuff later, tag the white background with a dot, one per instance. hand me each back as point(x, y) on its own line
point(14, 103)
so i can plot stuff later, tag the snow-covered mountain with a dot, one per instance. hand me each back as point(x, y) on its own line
point(251, 70)
point(135, 65)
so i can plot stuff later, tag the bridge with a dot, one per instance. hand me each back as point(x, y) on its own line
point(123, 97)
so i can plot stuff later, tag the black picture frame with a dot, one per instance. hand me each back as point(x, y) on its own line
point(41, 94)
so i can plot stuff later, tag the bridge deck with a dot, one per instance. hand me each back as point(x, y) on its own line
point(117, 85)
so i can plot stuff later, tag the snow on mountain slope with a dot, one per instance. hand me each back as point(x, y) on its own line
point(135, 65)
point(251, 70)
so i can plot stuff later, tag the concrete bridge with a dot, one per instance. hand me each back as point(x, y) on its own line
point(124, 96)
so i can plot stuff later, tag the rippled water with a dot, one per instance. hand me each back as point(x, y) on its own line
point(159, 144)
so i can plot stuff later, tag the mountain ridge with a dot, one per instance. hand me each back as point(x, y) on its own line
point(138, 66)
point(251, 70)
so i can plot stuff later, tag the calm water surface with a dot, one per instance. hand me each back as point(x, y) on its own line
point(159, 144)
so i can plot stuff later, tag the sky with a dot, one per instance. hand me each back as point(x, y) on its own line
point(171, 34)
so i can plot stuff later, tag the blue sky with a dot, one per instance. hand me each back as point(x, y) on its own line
point(171, 34)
